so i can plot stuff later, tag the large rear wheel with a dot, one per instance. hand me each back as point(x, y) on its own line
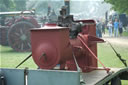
point(19, 36)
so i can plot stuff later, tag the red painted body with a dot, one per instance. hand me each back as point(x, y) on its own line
point(29, 19)
point(51, 45)
point(52, 41)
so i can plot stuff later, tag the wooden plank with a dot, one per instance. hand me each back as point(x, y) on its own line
point(96, 76)
point(93, 77)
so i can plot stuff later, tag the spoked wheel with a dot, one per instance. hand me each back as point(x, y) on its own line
point(19, 36)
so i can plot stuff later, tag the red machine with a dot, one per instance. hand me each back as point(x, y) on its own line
point(15, 29)
point(72, 44)
point(51, 45)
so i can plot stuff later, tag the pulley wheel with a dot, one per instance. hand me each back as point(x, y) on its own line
point(19, 36)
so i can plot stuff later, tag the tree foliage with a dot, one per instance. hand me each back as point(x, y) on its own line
point(20, 5)
point(12, 5)
point(6, 5)
point(119, 5)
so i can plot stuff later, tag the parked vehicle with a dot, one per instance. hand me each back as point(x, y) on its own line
point(15, 29)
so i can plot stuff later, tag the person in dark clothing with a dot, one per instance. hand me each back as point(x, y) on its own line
point(98, 29)
point(3, 20)
point(120, 28)
point(49, 10)
point(103, 27)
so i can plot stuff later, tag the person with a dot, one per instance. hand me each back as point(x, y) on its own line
point(3, 20)
point(126, 28)
point(103, 27)
point(98, 29)
point(49, 10)
point(53, 17)
point(109, 25)
point(116, 25)
point(120, 28)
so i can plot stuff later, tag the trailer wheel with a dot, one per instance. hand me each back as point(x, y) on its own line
point(19, 36)
point(116, 81)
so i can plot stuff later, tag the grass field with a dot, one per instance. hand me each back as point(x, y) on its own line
point(125, 33)
point(10, 58)
point(108, 56)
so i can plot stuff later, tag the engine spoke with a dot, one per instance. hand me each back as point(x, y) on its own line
point(22, 46)
point(17, 34)
point(29, 44)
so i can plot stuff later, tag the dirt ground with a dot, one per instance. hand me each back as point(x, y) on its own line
point(123, 41)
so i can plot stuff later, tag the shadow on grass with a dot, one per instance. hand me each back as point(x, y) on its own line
point(7, 51)
point(11, 51)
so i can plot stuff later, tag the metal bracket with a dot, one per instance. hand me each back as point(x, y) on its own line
point(26, 76)
point(2, 80)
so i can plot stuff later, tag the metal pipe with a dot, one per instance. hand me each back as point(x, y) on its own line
point(67, 4)
point(26, 76)
point(2, 80)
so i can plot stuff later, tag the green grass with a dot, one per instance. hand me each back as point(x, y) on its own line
point(10, 58)
point(108, 56)
point(125, 33)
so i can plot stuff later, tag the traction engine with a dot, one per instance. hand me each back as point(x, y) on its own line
point(69, 44)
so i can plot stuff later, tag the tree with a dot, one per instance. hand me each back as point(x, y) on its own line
point(20, 5)
point(119, 5)
point(6, 5)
